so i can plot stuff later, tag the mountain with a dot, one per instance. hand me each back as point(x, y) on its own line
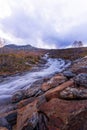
point(18, 47)
point(8, 45)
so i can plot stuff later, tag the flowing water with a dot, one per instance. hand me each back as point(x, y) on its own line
point(15, 83)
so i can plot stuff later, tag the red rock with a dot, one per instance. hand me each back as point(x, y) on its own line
point(81, 70)
point(52, 128)
point(30, 119)
point(25, 102)
point(65, 115)
point(53, 82)
point(3, 128)
point(55, 92)
point(27, 116)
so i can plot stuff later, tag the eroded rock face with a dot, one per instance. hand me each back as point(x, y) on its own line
point(81, 79)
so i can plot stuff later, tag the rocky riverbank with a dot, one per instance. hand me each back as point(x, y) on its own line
point(57, 103)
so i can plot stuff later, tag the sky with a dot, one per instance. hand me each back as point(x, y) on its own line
point(44, 23)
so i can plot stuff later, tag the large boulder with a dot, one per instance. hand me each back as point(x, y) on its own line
point(53, 82)
point(65, 115)
point(81, 80)
point(54, 93)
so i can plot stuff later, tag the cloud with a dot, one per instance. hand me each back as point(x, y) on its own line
point(44, 23)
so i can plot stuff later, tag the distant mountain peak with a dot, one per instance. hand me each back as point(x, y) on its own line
point(19, 47)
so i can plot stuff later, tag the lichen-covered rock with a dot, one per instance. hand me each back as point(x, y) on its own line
point(72, 93)
point(81, 80)
point(53, 82)
point(32, 92)
point(54, 93)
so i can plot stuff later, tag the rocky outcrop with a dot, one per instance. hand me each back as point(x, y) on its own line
point(57, 103)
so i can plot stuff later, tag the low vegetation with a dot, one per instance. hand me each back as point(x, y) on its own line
point(71, 53)
point(11, 63)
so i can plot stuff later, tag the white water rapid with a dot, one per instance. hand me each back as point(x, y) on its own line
point(15, 83)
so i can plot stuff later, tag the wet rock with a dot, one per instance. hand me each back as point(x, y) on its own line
point(18, 96)
point(54, 93)
point(3, 128)
point(69, 74)
point(53, 82)
point(81, 80)
point(4, 123)
point(12, 118)
point(31, 92)
point(66, 115)
point(73, 93)
point(27, 117)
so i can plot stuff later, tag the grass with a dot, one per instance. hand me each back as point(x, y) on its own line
point(12, 63)
point(71, 53)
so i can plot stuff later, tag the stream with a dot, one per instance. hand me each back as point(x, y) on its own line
point(15, 83)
